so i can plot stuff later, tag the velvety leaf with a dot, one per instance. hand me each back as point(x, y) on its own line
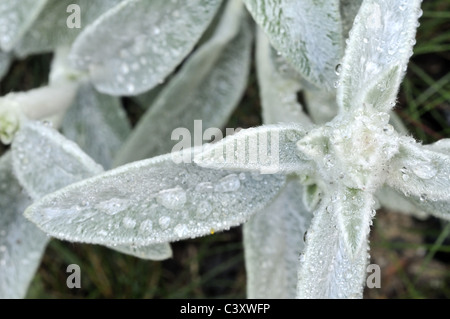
point(326, 269)
point(354, 211)
point(153, 201)
point(278, 90)
point(265, 149)
point(15, 18)
point(51, 29)
point(38, 148)
point(150, 39)
point(307, 33)
point(21, 243)
point(97, 123)
point(421, 171)
point(377, 53)
point(273, 240)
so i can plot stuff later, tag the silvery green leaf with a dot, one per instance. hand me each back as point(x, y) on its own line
point(97, 123)
point(391, 199)
point(150, 39)
point(21, 243)
point(354, 210)
point(153, 201)
point(264, 149)
point(51, 28)
point(397, 123)
point(420, 171)
point(377, 53)
point(45, 161)
point(311, 196)
point(348, 9)
point(39, 148)
point(150, 252)
point(5, 61)
point(273, 240)
point(326, 269)
point(278, 91)
point(15, 18)
point(208, 87)
point(437, 208)
point(307, 33)
point(321, 105)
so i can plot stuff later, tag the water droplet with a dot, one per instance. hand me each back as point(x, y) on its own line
point(130, 87)
point(112, 206)
point(146, 227)
point(124, 68)
point(205, 187)
point(337, 84)
point(164, 222)
point(423, 197)
point(129, 222)
point(229, 183)
point(388, 129)
point(156, 31)
point(173, 198)
point(180, 230)
point(365, 40)
point(424, 170)
point(338, 69)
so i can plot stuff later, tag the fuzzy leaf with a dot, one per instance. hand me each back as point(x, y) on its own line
point(278, 90)
point(63, 163)
point(264, 149)
point(311, 196)
point(354, 211)
point(150, 39)
point(21, 243)
point(5, 61)
point(15, 18)
point(153, 201)
point(321, 105)
point(97, 123)
point(208, 87)
point(326, 268)
point(307, 33)
point(51, 30)
point(273, 240)
point(377, 53)
point(421, 171)
point(391, 199)
point(38, 148)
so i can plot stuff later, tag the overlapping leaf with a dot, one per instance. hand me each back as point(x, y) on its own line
point(307, 33)
point(153, 201)
point(150, 39)
point(278, 90)
point(15, 18)
point(51, 30)
point(377, 53)
point(265, 149)
point(207, 88)
point(326, 269)
point(21, 242)
point(273, 240)
point(97, 123)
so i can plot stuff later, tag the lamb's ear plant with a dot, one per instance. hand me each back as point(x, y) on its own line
point(321, 174)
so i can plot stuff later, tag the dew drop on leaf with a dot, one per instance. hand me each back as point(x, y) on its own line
point(229, 183)
point(173, 198)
